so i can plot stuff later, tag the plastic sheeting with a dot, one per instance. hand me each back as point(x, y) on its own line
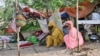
point(43, 25)
point(5, 38)
point(56, 17)
point(95, 16)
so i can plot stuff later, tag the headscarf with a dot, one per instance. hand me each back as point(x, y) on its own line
point(53, 24)
point(71, 39)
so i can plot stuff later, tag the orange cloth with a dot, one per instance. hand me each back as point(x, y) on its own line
point(88, 7)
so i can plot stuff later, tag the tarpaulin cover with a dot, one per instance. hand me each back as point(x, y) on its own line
point(43, 25)
point(88, 8)
point(56, 17)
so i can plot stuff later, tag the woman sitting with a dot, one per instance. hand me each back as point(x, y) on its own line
point(71, 39)
point(55, 36)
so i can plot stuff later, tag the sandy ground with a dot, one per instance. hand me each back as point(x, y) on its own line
point(89, 49)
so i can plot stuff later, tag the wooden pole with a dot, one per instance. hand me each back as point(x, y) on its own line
point(18, 29)
point(47, 14)
point(18, 41)
point(47, 18)
point(77, 15)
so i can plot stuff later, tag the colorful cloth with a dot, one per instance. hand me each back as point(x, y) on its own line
point(71, 39)
point(33, 39)
point(56, 36)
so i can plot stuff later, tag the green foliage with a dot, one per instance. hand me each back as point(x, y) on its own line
point(42, 4)
point(51, 4)
point(6, 13)
point(2, 32)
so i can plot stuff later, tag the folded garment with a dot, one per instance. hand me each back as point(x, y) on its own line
point(5, 38)
point(40, 37)
point(25, 44)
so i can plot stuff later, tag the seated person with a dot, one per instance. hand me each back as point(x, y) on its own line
point(65, 30)
point(71, 40)
point(55, 36)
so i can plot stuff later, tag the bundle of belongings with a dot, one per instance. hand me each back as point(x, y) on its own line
point(40, 35)
point(35, 39)
point(31, 13)
point(4, 40)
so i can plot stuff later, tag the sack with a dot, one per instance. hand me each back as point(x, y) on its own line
point(20, 17)
point(21, 21)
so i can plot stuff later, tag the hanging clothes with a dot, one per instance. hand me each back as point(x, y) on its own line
point(71, 39)
point(55, 37)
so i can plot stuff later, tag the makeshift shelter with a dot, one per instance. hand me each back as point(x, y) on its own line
point(84, 9)
point(70, 12)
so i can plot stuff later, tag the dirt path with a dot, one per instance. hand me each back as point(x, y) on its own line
point(89, 49)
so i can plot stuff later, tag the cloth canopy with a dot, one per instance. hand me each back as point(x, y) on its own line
point(88, 8)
